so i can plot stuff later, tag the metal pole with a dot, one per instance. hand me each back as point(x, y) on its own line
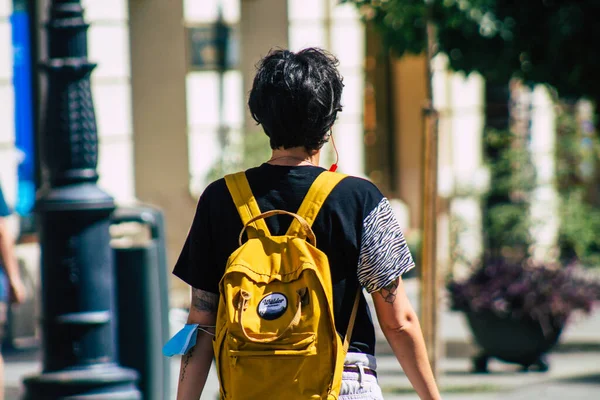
point(429, 275)
point(78, 304)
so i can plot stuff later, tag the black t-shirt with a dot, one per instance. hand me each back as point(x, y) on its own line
point(356, 229)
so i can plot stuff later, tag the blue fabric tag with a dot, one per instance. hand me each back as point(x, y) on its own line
point(182, 342)
point(4, 289)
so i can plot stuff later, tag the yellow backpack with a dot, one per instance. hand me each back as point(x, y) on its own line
point(275, 332)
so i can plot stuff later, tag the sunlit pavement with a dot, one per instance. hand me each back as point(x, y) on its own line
point(572, 375)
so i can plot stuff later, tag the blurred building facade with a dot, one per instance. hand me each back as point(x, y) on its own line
point(163, 111)
point(166, 115)
point(8, 156)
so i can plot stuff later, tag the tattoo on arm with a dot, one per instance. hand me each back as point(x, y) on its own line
point(186, 361)
point(389, 292)
point(205, 301)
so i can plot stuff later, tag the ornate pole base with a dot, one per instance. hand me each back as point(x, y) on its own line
point(78, 306)
point(99, 382)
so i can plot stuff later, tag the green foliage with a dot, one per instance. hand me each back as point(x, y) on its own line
point(512, 173)
point(541, 41)
point(253, 151)
point(578, 233)
point(577, 151)
point(506, 219)
point(400, 23)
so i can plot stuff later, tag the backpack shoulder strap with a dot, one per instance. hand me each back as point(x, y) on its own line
point(245, 203)
point(314, 199)
point(352, 319)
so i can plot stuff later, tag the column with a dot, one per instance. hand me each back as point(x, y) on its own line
point(158, 86)
point(263, 26)
point(544, 199)
point(215, 99)
point(409, 97)
point(337, 28)
point(108, 39)
point(462, 176)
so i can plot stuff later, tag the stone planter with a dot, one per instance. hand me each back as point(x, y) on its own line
point(518, 341)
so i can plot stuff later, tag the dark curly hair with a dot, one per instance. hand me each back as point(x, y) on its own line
point(296, 97)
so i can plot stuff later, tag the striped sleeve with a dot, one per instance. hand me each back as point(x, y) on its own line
point(384, 253)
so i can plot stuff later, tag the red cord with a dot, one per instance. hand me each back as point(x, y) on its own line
point(334, 166)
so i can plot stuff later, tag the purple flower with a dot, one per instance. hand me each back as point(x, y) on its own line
point(522, 289)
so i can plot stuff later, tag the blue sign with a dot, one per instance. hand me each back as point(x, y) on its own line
point(24, 113)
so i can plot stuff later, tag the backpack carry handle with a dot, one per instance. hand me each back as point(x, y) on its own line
point(310, 235)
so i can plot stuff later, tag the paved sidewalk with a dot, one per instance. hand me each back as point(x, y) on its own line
point(573, 374)
point(576, 374)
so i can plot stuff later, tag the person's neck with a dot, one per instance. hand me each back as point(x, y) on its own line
point(294, 156)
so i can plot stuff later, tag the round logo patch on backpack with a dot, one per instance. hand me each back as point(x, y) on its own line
point(272, 306)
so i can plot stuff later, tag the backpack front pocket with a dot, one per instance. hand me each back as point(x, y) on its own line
point(262, 368)
point(295, 344)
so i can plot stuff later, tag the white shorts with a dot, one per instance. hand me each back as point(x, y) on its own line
point(360, 384)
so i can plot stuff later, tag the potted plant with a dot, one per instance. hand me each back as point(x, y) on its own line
point(517, 311)
point(516, 307)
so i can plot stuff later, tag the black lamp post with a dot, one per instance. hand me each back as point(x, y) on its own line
point(78, 312)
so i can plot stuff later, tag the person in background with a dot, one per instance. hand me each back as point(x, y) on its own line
point(11, 286)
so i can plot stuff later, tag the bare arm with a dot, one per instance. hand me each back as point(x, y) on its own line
point(8, 260)
point(195, 365)
point(401, 328)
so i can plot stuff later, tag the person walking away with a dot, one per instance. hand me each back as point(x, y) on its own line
point(295, 97)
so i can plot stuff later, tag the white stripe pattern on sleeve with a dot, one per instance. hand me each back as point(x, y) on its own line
point(384, 253)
